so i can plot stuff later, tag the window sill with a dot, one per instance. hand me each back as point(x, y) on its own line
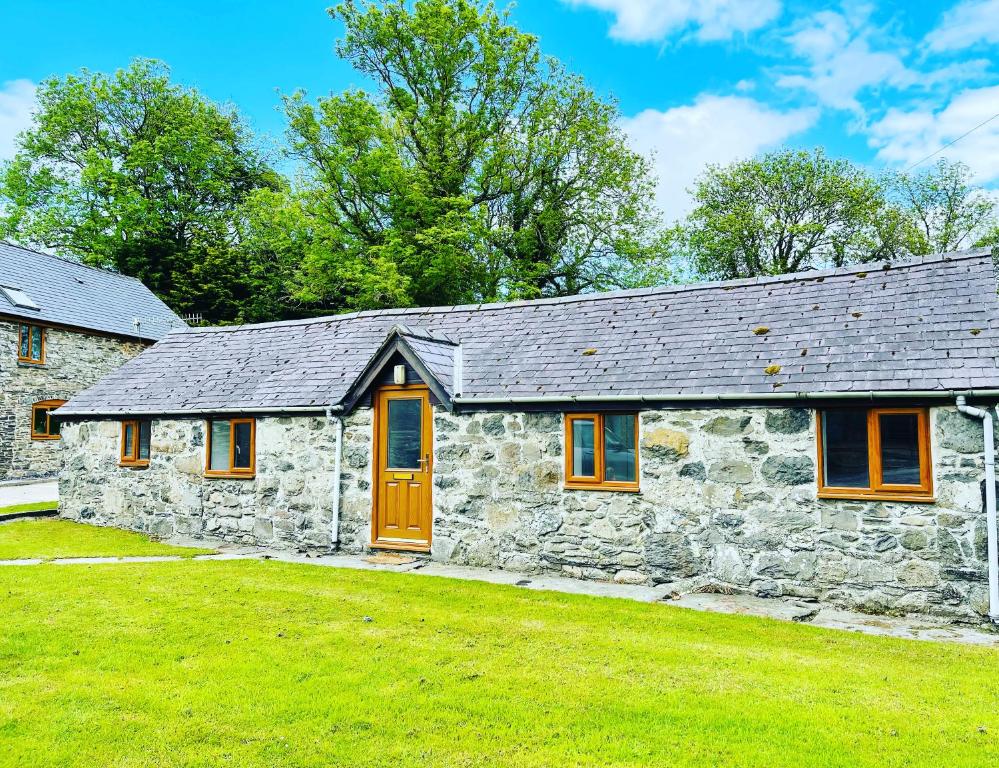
point(30, 364)
point(916, 498)
point(601, 487)
point(46, 437)
point(230, 475)
point(134, 464)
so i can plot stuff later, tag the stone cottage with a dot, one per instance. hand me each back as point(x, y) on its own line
point(63, 327)
point(804, 435)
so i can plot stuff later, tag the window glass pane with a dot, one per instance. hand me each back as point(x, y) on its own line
point(55, 427)
point(899, 448)
point(243, 458)
point(36, 342)
point(405, 422)
point(129, 441)
point(844, 448)
point(220, 446)
point(25, 341)
point(145, 431)
point(583, 458)
point(40, 424)
point(619, 448)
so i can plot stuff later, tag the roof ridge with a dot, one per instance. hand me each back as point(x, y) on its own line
point(792, 277)
point(65, 260)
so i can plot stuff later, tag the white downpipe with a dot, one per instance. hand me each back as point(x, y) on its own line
point(337, 421)
point(990, 500)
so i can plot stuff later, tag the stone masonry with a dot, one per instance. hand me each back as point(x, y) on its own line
point(73, 361)
point(287, 503)
point(728, 500)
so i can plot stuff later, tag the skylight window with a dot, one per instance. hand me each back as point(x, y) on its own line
point(17, 297)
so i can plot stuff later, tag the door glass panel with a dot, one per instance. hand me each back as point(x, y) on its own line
point(844, 448)
point(619, 448)
point(405, 432)
point(583, 458)
point(243, 458)
point(145, 432)
point(899, 448)
point(220, 446)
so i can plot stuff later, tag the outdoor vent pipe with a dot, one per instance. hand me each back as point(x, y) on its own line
point(337, 422)
point(990, 500)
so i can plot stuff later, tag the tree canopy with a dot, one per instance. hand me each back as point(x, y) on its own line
point(470, 168)
point(478, 169)
point(944, 210)
point(132, 172)
point(794, 210)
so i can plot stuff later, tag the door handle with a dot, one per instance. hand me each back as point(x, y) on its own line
point(424, 462)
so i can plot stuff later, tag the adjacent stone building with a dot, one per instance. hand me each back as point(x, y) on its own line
point(805, 435)
point(63, 327)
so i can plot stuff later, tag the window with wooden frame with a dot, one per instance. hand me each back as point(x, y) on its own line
point(31, 344)
point(875, 453)
point(601, 451)
point(136, 436)
point(231, 448)
point(43, 425)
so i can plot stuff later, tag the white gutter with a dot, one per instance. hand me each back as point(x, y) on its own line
point(990, 500)
point(337, 471)
point(729, 396)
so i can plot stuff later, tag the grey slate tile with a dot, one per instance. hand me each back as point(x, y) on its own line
point(914, 333)
point(68, 293)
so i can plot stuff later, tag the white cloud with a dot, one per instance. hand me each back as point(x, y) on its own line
point(17, 100)
point(643, 21)
point(841, 61)
point(964, 25)
point(714, 129)
point(903, 137)
point(847, 58)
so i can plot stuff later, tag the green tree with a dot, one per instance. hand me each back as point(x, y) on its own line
point(989, 239)
point(478, 169)
point(944, 211)
point(132, 172)
point(788, 211)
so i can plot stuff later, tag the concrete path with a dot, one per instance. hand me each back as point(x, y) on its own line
point(28, 492)
point(801, 611)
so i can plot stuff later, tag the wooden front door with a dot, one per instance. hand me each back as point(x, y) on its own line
point(403, 468)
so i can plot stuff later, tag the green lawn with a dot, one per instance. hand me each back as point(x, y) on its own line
point(49, 539)
point(253, 663)
point(35, 506)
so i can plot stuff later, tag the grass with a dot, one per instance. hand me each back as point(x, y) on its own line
point(35, 506)
point(254, 663)
point(49, 539)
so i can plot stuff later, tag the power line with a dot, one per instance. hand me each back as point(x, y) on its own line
point(952, 143)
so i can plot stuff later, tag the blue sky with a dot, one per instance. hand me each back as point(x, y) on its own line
point(698, 81)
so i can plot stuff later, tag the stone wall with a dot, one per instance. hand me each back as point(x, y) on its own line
point(728, 499)
point(73, 362)
point(287, 503)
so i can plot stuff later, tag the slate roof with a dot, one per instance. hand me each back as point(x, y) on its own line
point(71, 294)
point(931, 325)
point(436, 354)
